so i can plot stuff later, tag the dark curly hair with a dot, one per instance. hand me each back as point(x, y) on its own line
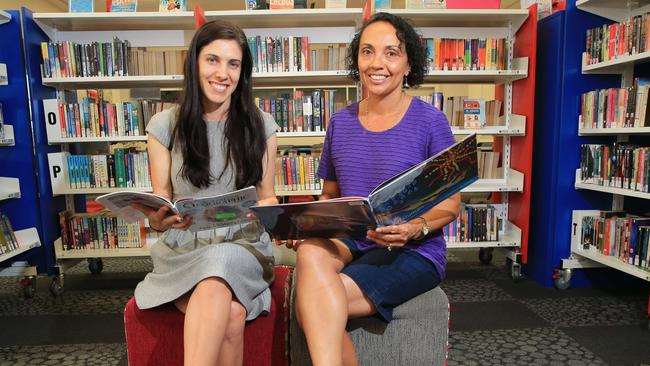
point(415, 46)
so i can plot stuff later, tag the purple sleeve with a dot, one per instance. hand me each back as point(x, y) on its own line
point(325, 167)
point(440, 136)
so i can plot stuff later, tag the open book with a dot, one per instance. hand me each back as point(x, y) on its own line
point(207, 212)
point(395, 201)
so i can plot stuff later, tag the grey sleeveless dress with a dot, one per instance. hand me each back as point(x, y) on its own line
point(242, 255)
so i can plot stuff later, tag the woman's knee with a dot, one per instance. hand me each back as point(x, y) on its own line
point(236, 322)
point(212, 287)
point(317, 252)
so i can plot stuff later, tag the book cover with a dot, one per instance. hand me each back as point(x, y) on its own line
point(281, 4)
point(172, 5)
point(395, 201)
point(474, 113)
point(207, 212)
point(122, 5)
point(81, 6)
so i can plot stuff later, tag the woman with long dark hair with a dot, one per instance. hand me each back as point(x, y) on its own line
point(215, 142)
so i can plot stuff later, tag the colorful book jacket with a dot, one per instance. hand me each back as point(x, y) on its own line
point(81, 6)
point(207, 212)
point(397, 200)
point(123, 5)
point(172, 5)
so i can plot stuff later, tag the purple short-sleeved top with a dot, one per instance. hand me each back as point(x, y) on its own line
point(359, 159)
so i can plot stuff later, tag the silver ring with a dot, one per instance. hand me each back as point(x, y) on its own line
point(390, 247)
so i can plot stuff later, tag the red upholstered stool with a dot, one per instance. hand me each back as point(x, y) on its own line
point(155, 336)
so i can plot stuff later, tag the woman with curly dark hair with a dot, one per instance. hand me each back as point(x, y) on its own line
point(367, 143)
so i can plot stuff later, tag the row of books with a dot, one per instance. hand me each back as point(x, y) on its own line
point(610, 41)
point(119, 169)
point(467, 54)
point(8, 241)
point(476, 222)
point(291, 54)
point(305, 112)
point(70, 59)
point(615, 234)
point(465, 112)
point(616, 107)
point(92, 118)
point(88, 6)
point(298, 170)
point(619, 165)
point(99, 231)
point(147, 61)
point(488, 164)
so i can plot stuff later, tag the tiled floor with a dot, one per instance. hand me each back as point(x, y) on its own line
point(493, 321)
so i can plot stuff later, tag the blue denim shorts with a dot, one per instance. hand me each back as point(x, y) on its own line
point(390, 278)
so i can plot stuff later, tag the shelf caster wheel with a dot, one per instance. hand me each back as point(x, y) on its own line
point(562, 279)
point(29, 286)
point(515, 271)
point(56, 287)
point(485, 255)
point(95, 265)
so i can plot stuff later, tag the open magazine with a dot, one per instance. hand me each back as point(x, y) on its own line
point(395, 201)
point(207, 212)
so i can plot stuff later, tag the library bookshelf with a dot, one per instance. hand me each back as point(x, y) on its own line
point(324, 26)
point(18, 198)
point(581, 198)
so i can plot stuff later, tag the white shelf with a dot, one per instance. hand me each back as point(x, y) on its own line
point(475, 18)
point(4, 79)
point(102, 21)
point(615, 66)
point(287, 135)
point(336, 77)
point(101, 190)
point(620, 191)
point(8, 140)
point(314, 192)
point(4, 17)
point(514, 183)
point(517, 128)
point(613, 9)
point(98, 253)
point(613, 262)
point(519, 71)
point(511, 237)
point(614, 131)
point(9, 188)
point(108, 82)
point(290, 18)
point(321, 78)
point(74, 140)
point(27, 239)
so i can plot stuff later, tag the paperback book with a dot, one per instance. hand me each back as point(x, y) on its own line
point(122, 5)
point(395, 201)
point(81, 6)
point(207, 212)
point(172, 5)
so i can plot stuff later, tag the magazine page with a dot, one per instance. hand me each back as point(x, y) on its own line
point(120, 203)
point(335, 218)
point(417, 190)
point(218, 211)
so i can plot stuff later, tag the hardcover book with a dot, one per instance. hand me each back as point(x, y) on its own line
point(81, 6)
point(172, 5)
point(474, 113)
point(207, 212)
point(395, 201)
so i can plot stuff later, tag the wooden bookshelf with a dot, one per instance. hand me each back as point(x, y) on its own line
point(102, 21)
point(290, 18)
